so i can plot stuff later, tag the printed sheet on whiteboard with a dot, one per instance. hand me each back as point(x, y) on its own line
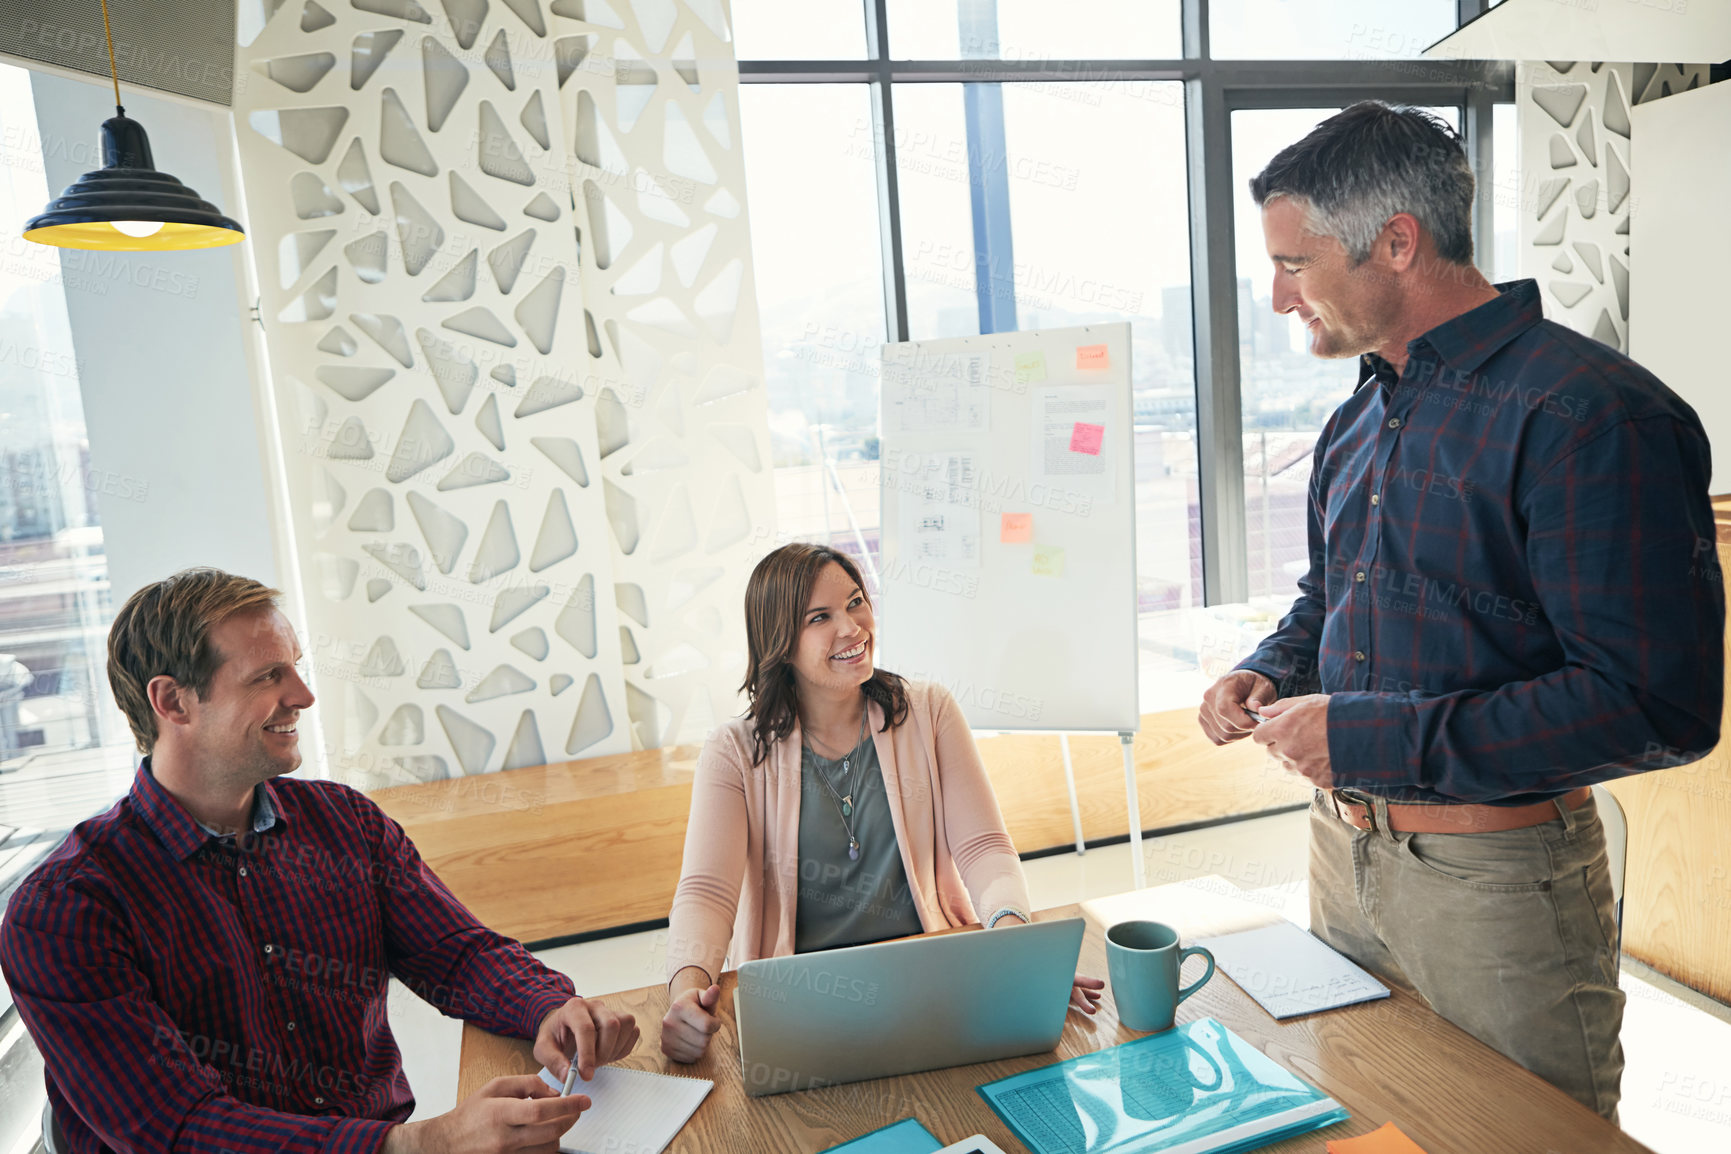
point(940, 392)
point(1072, 437)
point(940, 514)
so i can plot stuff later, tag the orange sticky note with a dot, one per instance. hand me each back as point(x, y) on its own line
point(1385, 1140)
point(1086, 438)
point(1017, 529)
point(1091, 356)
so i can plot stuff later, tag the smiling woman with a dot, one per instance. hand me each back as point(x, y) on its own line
point(847, 806)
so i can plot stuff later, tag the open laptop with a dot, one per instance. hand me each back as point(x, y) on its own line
point(902, 1006)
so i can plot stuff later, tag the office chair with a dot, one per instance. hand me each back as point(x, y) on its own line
point(53, 1141)
point(1616, 849)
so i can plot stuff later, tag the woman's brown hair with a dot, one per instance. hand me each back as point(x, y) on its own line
point(775, 601)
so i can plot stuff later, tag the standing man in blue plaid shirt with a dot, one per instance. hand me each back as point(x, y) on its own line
point(1513, 594)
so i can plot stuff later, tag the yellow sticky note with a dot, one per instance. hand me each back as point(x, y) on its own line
point(1091, 357)
point(1048, 561)
point(1030, 368)
point(1385, 1140)
point(1017, 529)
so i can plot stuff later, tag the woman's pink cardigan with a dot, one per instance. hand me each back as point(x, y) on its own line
point(740, 877)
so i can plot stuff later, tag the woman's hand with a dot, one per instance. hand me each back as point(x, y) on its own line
point(1085, 994)
point(690, 1023)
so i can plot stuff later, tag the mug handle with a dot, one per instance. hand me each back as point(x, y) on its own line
point(1183, 956)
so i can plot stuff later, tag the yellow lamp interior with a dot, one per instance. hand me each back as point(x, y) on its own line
point(103, 235)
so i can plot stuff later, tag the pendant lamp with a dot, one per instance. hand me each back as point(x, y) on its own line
point(126, 205)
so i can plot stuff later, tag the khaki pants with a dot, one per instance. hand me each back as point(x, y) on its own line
point(1510, 935)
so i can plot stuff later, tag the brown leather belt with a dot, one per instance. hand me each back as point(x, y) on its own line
point(1408, 818)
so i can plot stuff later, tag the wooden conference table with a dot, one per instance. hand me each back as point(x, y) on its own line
point(1391, 1060)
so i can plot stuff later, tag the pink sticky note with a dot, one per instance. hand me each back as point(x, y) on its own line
point(1086, 438)
point(1091, 357)
point(1017, 529)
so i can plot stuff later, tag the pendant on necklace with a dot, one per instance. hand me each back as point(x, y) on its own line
point(847, 805)
point(852, 849)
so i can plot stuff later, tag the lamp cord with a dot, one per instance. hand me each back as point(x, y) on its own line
point(113, 72)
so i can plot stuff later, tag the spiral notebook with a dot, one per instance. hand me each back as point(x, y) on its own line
point(635, 1110)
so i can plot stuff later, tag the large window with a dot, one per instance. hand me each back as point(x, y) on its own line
point(1110, 132)
point(54, 599)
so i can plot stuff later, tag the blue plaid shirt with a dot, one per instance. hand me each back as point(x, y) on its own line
point(1514, 586)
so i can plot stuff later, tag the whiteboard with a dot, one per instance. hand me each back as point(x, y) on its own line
point(1008, 533)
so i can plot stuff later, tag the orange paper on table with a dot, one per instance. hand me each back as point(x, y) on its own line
point(1091, 357)
point(1387, 1139)
point(1017, 529)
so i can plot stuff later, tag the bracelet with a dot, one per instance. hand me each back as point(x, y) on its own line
point(996, 916)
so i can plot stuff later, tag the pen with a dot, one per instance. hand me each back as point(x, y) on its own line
point(571, 1077)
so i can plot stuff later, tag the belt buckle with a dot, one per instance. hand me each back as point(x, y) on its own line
point(1355, 797)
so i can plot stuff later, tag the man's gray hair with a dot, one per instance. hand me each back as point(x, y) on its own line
point(1362, 166)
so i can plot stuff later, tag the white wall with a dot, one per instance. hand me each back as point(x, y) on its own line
point(160, 338)
point(1679, 249)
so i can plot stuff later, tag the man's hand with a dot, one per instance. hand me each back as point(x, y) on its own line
point(1222, 715)
point(690, 1023)
point(521, 1113)
point(1296, 733)
point(585, 1032)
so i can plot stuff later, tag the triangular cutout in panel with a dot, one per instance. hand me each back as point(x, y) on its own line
point(525, 749)
point(458, 284)
point(400, 142)
point(471, 207)
point(472, 744)
point(447, 619)
point(422, 442)
point(444, 533)
point(576, 622)
point(513, 602)
point(593, 721)
point(498, 551)
point(357, 179)
point(454, 371)
point(557, 539)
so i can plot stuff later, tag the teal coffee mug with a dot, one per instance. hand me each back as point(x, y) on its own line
point(1143, 960)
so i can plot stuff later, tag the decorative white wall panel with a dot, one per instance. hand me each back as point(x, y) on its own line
point(650, 92)
point(523, 521)
point(1577, 186)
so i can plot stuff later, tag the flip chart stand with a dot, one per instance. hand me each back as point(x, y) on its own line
point(1133, 807)
point(1070, 784)
point(1137, 872)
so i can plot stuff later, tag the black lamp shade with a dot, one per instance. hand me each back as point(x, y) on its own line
point(128, 189)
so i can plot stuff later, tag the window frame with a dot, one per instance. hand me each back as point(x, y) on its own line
point(1213, 90)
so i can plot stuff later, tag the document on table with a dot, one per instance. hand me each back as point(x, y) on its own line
point(636, 1110)
point(1290, 972)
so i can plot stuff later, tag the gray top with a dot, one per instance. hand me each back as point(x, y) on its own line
point(842, 902)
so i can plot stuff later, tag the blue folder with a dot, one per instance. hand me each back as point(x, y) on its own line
point(904, 1137)
point(1197, 1089)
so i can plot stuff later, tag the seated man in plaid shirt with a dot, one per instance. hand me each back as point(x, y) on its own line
point(204, 967)
point(1513, 594)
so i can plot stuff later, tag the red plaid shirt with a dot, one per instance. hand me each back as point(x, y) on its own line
point(197, 994)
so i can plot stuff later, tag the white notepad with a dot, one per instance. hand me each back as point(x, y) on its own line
point(1290, 972)
point(635, 1110)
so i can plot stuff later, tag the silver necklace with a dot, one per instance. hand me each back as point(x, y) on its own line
point(844, 803)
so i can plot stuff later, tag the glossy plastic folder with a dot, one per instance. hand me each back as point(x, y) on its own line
point(1195, 1089)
